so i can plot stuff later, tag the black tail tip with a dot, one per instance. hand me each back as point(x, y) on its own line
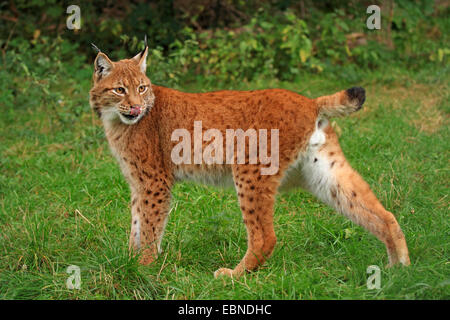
point(358, 94)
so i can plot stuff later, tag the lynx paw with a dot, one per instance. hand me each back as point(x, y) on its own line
point(223, 272)
point(147, 257)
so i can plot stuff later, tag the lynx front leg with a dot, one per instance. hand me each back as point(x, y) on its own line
point(328, 175)
point(256, 195)
point(149, 209)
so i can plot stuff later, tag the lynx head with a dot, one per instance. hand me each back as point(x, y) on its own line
point(121, 90)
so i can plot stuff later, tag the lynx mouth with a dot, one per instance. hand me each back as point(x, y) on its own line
point(130, 116)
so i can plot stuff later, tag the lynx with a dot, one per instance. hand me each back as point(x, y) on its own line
point(139, 119)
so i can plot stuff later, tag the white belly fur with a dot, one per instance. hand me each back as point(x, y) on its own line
point(303, 172)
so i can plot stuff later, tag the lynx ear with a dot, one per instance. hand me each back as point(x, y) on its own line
point(141, 58)
point(103, 66)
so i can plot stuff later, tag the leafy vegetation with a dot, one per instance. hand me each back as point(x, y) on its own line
point(64, 202)
point(230, 41)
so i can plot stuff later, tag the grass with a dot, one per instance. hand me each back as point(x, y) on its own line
point(64, 202)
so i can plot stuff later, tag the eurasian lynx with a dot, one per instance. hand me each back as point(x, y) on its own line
point(140, 118)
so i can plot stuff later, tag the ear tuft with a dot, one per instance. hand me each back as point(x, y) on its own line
point(141, 57)
point(95, 48)
point(103, 66)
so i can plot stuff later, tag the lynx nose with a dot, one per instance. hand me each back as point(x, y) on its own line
point(135, 110)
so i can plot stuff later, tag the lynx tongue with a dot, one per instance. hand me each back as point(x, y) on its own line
point(135, 111)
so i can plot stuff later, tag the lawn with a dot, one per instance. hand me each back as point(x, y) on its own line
point(64, 202)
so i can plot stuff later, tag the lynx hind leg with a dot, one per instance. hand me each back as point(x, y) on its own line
point(256, 195)
point(329, 177)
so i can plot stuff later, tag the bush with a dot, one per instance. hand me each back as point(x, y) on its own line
point(225, 41)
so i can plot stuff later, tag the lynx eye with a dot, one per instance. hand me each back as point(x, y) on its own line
point(142, 89)
point(119, 90)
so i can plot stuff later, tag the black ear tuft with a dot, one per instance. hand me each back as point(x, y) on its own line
point(145, 47)
point(95, 48)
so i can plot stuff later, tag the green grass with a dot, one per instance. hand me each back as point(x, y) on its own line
point(64, 202)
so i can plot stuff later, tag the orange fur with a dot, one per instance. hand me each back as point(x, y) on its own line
point(309, 155)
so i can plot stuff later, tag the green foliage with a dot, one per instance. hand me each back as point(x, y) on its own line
point(233, 40)
point(419, 36)
point(37, 68)
point(276, 48)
